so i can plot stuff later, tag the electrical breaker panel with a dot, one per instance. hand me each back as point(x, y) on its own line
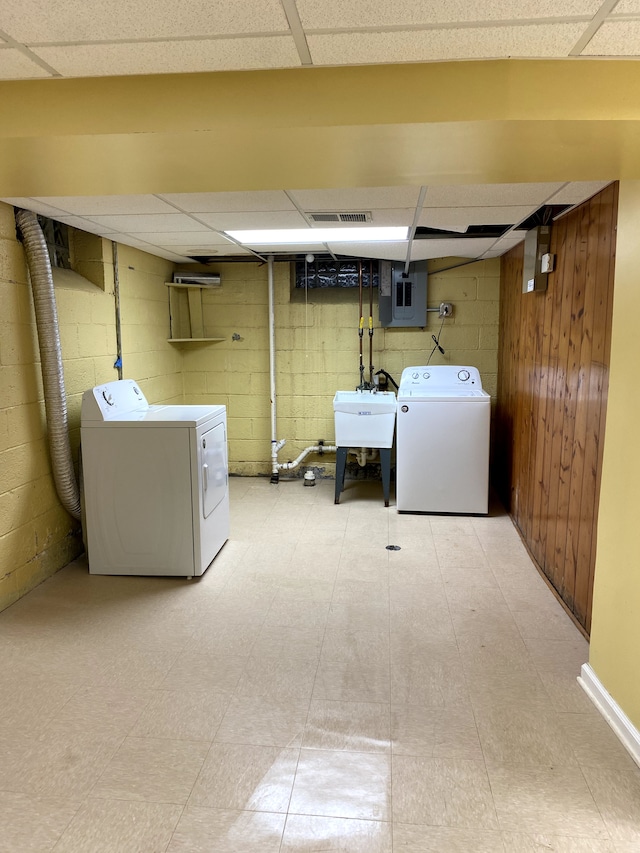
point(402, 298)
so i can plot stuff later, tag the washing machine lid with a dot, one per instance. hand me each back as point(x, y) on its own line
point(434, 395)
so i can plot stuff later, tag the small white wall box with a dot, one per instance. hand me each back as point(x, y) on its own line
point(536, 244)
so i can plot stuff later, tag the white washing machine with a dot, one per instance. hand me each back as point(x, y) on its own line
point(442, 441)
point(155, 481)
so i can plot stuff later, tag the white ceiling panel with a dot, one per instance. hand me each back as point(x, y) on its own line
point(14, 65)
point(159, 251)
point(620, 38)
point(257, 219)
point(577, 192)
point(92, 20)
point(108, 204)
point(627, 7)
point(532, 41)
point(490, 195)
point(189, 249)
point(504, 244)
point(230, 202)
point(391, 251)
point(389, 217)
point(149, 223)
point(37, 206)
point(99, 60)
point(356, 198)
point(85, 225)
point(336, 14)
point(288, 248)
point(463, 217)
point(182, 238)
point(422, 250)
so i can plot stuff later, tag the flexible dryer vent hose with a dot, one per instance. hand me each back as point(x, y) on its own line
point(55, 399)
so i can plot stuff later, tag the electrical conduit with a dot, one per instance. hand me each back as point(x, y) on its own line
point(51, 360)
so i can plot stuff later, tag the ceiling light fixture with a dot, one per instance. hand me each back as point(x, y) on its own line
point(319, 235)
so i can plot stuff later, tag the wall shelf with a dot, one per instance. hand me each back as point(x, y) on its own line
point(186, 315)
point(194, 340)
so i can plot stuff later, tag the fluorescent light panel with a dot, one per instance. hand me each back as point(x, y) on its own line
point(319, 235)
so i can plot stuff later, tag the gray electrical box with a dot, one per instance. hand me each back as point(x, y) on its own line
point(536, 244)
point(402, 299)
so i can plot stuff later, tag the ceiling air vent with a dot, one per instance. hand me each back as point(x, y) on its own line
point(330, 216)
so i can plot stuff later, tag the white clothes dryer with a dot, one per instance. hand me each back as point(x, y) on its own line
point(442, 441)
point(155, 483)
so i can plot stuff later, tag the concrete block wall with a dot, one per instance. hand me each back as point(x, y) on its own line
point(148, 357)
point(317, 352)
point(37, 536)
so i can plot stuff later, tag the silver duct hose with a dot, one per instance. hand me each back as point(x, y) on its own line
point(51, 360)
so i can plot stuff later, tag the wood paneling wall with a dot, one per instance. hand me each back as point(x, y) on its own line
point(552, 394)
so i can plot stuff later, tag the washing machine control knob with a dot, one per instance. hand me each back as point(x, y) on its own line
point(426, 375)
point(404, 408)
point(108, 398)
point(463, 375)
point(415, 376)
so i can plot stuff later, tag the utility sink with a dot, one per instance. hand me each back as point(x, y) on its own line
point(364, 418)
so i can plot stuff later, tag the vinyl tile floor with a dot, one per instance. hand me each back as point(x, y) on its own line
point(313, 691)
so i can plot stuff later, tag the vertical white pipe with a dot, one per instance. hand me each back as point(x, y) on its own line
point(272, 371)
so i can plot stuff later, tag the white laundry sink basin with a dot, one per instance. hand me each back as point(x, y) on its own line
point(364, 418)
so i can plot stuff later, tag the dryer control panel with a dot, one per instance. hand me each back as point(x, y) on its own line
point(111, 399)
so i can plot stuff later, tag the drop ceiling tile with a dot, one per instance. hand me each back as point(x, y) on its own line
point(143, 245)
point(36, 206)
point(490, 195)
point(73, 20)
point(230, 249)
point(109, 204)
point(461, 217)
point(463, 248)
point(503, 245)
point(391, 250)
point(289, 248)
point(258, 219)
point(512, 238)
point(230, 202)
point(392, 216)
point(169, 256)
point(193, 238)
point(627, 7)
point(182, 238)
point(532, 41)
point(99, 60)
point(578, 191)
point(615, 38)
point(356, 198)
point(336, 14)
point(16, 66)
point(149, 223)
point(86, 225)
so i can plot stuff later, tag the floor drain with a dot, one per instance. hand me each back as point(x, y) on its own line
point(393, 547)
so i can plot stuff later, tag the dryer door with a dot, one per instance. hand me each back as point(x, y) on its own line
point(213, 457)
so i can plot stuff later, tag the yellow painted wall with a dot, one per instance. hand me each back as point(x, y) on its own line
point(144, 303)
point(37, 536)
point(615, 633)
point(317, 352)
